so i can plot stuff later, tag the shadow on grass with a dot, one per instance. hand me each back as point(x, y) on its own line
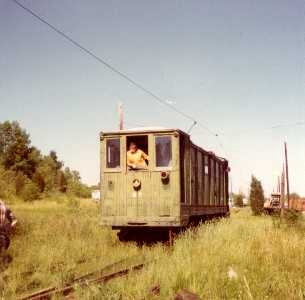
point(146, 236)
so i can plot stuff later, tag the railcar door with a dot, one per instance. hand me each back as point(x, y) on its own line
point(153, 191)
point(138, 174)
point(165, 177)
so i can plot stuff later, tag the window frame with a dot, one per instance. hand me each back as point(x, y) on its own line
point(206, 174)
point(212, 180)
point(128, 136)
point(116, 169)
point(217, 183)
point(168, 168)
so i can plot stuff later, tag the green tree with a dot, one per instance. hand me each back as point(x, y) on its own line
point(48, 169)
point(7, 184)
point(30, 191)
point(74, 184)
point(20, 179)
point(256, 196)
point(25, 172)
point(39, 181)
point(15, 148)
point(53, 156)
point(61, 182)
point(33, 160)
point(238, 200)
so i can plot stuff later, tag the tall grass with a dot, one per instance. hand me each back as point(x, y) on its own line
point(56, 242)
point(242, 257)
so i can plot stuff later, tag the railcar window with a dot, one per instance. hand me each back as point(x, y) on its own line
point(137, 152)
point(200, 177)
point(113, 153)
point(217, 196)
point(206, 181)
point(193, 176)
point(221, 185)
point(163, 151)
point(212, 182)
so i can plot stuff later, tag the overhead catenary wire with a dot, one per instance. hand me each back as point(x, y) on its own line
point(249, 131)
point(114, 69)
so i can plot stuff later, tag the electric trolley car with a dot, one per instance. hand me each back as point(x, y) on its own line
point(181, 184)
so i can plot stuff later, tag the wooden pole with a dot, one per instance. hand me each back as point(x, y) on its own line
point(282, 192)
point(287, 175)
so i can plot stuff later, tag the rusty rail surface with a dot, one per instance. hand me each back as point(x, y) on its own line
point(82, 281)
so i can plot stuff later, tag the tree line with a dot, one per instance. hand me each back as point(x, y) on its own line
point(256, 197)
point(28, 174)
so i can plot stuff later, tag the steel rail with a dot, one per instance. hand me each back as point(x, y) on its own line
point(82, 281)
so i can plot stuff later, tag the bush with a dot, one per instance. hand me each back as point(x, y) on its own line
point(30, 191)
point(257, 198)
point(7, 186)
point(79, 190)
point(238, 200)
point(293, 217)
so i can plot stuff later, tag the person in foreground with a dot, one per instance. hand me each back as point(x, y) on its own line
point(7, 223)
point(136, 158)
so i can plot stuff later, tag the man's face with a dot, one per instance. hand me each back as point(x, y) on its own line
point(133, 148)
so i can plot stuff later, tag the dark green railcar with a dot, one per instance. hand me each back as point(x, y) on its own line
point(181, 184)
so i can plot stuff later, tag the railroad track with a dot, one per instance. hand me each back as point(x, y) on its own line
point(97, 277)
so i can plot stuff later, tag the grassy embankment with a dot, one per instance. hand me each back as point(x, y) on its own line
point(243, 257)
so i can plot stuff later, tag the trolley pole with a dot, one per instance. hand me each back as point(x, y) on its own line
point(121, 116)
point(287, 175)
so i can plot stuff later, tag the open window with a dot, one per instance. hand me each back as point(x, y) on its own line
point(163, 151)
point(137, 152)
point(113, 153)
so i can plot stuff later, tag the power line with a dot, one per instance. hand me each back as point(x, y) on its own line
point(299, 123)
point(207, 129)
point(113, 69)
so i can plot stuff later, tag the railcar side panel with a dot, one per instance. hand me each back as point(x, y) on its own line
point(200, 176)
point(207, 187)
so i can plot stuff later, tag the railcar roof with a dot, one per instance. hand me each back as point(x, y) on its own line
point(150, 129)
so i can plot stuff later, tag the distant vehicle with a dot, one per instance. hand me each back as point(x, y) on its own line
point(274, 204)
point(180, 184)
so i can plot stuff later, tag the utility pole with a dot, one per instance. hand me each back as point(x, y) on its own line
point(278, 185)
point(282, 192)
point(287, 175)
point(121, 116)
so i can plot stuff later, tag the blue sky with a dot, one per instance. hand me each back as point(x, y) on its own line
point(237, 66)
